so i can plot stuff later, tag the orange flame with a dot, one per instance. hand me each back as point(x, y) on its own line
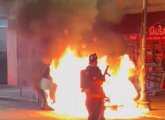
point(122, 92)
point(71, 101)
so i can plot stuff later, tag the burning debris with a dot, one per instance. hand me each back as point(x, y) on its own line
point(71, 101)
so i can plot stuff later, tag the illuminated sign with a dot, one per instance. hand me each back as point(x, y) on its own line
point(156, 33)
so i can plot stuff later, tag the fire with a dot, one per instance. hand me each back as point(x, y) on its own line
point(122, 92)
point(69, 98)
point(71, 101)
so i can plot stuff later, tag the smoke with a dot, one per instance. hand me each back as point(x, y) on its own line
point(56, 24)
point(110, 10)
point(48, 27)
point(104, 40)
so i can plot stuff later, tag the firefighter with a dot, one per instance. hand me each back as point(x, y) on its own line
point(91, 83)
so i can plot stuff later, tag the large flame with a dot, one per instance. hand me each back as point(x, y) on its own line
point(122, 92)
point(71, 101)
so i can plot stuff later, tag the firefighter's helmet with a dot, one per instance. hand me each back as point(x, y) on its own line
point(93, 58)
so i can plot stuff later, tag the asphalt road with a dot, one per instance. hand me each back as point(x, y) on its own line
point(12, 110)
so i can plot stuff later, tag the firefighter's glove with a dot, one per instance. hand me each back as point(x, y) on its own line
point(106, 99)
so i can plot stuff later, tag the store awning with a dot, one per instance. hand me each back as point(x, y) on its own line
point(131, 23)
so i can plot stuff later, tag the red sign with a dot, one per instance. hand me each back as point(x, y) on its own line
point(153, 34)
point(156, 33)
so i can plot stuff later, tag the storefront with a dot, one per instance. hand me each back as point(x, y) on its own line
point(155, 49)
point(155, 44)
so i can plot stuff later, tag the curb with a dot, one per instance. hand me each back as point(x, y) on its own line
point(17, 99)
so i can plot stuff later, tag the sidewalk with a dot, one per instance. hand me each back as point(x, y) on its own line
point(157, 103)
point(17, 94)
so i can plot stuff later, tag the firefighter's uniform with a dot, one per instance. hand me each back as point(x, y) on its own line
point(91, 83)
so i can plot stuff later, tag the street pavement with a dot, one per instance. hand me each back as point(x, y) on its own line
point(157, 101)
